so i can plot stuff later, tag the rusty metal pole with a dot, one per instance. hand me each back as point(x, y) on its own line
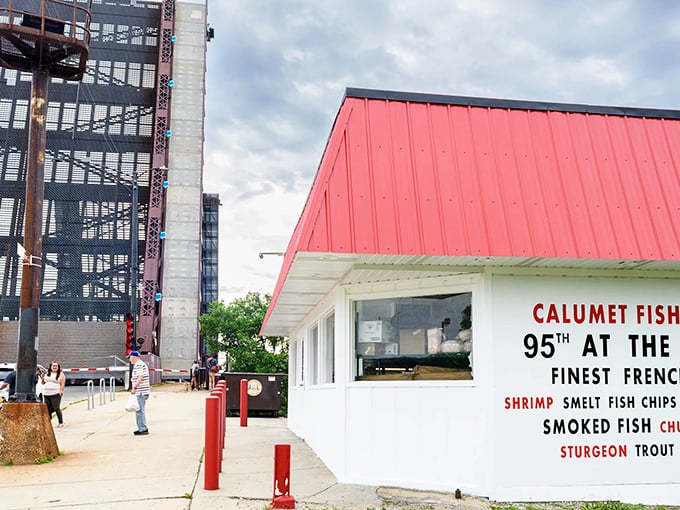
point(29, 313)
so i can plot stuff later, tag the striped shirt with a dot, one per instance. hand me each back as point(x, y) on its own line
point(140, 369)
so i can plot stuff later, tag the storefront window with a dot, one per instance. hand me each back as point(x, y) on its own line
point(414, 338)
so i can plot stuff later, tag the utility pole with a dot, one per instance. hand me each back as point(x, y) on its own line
point(134, 257)
point(29, 306)
point(134, 262)
point(46, 38)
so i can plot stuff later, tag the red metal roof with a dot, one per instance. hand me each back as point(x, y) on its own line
point(413, 174)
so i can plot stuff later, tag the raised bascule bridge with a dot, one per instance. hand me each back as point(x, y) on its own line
point(108, 69)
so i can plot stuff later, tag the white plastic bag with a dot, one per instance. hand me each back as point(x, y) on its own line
point(132, 403)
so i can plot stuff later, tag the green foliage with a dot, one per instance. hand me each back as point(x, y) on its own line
point(235, 328)
point(227, 326)
point(611, 505)
point(44, 460)
point(596, 505)
point(251, 355)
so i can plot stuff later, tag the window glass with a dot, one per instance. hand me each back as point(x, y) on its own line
point(299, 365)
point(313, 360)
point(292, 363)
point(414, 338)
point(328, 375)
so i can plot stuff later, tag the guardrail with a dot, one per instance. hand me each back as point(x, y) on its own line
point(124, 369)
point(97, 369)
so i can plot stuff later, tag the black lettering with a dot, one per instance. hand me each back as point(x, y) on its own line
point(575, 426)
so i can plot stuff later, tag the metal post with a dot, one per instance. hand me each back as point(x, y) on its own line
point(282, 497)
point(243, 401)
point(31, 278)
point(134, 262)
point(211, 477)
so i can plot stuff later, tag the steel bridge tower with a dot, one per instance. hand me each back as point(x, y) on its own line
point(106, 135)
point(46, 38)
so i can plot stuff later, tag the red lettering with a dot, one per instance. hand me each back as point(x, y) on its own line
point(595, 451)
point(528, 402)
point(669, 427)
point(538, 307)
point(580, 313)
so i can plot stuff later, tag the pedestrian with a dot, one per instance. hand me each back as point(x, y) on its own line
point(11, 382)
point(212, 370)
point(142, 389)
point(194, 376)
point(54, 381)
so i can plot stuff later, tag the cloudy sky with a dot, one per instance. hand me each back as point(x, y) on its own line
point(278, 69)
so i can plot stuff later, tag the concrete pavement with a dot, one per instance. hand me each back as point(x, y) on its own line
point(104, 466)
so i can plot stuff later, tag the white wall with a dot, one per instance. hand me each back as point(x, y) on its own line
point(444, 435)
point(601, 348)
point(316, 413)
point(418, 434)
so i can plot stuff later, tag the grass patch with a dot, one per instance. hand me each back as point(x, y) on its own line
point(592, 505)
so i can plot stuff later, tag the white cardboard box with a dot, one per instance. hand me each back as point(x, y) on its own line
point(370, 349)
point(435, 336)
point(376, 331)
point(392, 348)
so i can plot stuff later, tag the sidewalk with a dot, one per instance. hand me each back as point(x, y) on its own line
point(104, 466)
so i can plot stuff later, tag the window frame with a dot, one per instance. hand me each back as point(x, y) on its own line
point(327, 349)
point(467, 284)
point(313, 335)
point(298, 361)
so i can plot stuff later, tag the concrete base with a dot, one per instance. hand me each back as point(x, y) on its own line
point(26, 433)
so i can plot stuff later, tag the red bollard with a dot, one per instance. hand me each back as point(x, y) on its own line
point(243, 399)
point(211, 479)
point(220, 425)
point(282, 498)
point(222, 386)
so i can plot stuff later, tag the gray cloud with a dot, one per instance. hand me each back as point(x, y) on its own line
point(277, 72)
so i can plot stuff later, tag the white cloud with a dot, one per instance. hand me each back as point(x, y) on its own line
point(277, 72)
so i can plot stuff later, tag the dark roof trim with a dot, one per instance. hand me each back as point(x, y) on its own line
point(415, 97)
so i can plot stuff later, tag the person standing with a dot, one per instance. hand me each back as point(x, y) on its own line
point(54, 381)
point(11, 382)
point(194, 376)
point(212, 370)
point(142, 389)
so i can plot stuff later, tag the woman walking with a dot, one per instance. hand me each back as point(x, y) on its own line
point(54, 381)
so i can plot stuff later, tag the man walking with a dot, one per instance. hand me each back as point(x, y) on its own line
point(142, 389)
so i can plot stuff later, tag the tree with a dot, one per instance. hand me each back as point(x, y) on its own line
point(235, 328)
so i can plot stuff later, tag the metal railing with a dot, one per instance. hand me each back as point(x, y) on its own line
point(102, 392)
point(50, 35)
point(61, 17)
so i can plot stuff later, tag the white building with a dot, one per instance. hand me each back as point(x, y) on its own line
point(483, 294)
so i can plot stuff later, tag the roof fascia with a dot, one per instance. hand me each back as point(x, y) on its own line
point(512, 104)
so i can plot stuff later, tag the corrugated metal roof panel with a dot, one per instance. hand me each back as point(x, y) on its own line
point(445, 176)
